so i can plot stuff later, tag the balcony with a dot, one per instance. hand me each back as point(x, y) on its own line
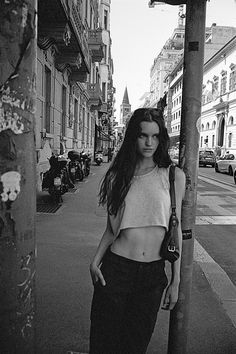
point(103, 108)
point(60, 24)
point(95, 96)
point(95, 45)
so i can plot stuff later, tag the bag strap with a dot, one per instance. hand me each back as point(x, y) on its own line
point(172, 188)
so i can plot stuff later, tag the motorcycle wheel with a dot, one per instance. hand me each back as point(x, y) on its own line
point(79, 174)
point(56, 195)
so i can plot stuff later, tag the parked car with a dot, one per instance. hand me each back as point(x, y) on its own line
point(207, 157)
point(226, 164)
point(235, 175)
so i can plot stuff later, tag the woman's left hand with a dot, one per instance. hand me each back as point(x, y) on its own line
point(171, 296)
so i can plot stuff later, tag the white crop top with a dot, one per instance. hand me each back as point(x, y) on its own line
point(147, 202)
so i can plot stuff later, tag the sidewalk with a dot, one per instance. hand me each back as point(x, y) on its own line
point(66, 242)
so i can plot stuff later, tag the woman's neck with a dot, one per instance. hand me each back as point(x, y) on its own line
point(145, 165)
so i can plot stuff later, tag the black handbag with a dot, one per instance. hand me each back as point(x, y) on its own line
point(170, 245)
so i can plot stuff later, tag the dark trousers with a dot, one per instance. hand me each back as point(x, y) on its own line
point(124, 311)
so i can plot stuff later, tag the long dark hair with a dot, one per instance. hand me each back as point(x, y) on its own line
point(117, 180)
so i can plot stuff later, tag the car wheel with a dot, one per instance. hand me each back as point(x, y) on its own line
point(230, 171)
point(216, 168)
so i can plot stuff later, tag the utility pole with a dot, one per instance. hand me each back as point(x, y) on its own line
point(188, 158)
point(17, 175)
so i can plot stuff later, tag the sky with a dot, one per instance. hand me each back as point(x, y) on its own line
point(138, 34)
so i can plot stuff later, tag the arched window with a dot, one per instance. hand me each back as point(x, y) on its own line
point(213, 140)
point(230, 140)
point(213, 124)
point(202, 127)
point(207, 126)
point(231, 120)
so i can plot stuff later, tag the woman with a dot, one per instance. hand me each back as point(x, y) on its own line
point(127, 271)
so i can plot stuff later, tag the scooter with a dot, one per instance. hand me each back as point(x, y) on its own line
point(75, 166)
point(86, 162)
point(56, 180)
point(98, 158)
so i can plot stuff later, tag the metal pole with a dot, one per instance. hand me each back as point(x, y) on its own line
point(189, 144)
point(17, 175)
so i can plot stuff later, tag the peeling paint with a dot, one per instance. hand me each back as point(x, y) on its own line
point(24, 15)
point(11, 185)
point(8, 118)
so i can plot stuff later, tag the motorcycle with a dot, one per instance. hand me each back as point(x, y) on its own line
point(86, 163)
point(56, 180)
point(75, 166)
point(98, 158)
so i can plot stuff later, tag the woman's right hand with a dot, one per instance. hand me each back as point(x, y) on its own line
point(96, 274)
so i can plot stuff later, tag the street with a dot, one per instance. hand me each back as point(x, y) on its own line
point(66, 242)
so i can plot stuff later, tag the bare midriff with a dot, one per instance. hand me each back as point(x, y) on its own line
point(140, 244)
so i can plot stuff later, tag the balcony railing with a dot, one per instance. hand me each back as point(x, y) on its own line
point(95, 95)
point(95, 44)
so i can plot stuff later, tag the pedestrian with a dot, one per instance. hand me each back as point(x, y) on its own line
point(127, 270)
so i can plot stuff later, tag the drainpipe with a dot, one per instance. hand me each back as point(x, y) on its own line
point(18, 46)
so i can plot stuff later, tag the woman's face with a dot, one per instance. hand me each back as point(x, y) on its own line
point(148, 139)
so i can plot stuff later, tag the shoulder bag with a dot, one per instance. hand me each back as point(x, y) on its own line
point(170, 245)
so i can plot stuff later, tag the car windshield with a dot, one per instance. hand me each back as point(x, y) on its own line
point(206, 153)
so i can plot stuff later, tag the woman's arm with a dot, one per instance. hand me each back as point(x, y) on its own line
point(106, 240)
point(171, 295)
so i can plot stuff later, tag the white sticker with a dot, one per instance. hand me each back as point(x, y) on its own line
point(11, 185)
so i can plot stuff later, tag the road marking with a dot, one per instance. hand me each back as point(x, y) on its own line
point(218, 280)
point(215, 183)
point(216, 220)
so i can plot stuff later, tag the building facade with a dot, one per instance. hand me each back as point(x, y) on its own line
point(216, 38)
point(165, 61)
point(218, 118)
point(70, 100)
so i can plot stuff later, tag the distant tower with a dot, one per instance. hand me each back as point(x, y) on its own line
point(125, 107)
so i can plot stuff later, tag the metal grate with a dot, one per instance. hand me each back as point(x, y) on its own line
point(47, 208)
point(72, 190)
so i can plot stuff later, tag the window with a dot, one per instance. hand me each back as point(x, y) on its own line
point(223, 83)
point(88, 127)
point(213, 124)
point(104, 92)
point(86, 9)
point(207, 126)
point(230, 140)
point(105, 19)
point(231, 120)
point(105, 52)
point(213, 140)
point(63, 114)
point(232, 78)
point(75, 120)
point(83, 124)
point(47, 120)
